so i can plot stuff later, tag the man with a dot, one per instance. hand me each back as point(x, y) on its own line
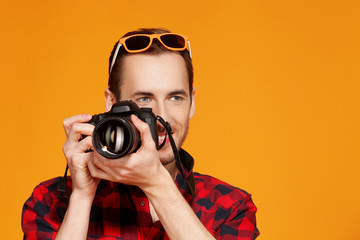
point(145, 194)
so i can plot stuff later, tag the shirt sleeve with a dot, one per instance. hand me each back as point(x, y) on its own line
point(42, 213)
point(241, 222)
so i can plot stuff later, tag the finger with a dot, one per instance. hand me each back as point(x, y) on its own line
point(72, 149)
point(78, 162)
point(95, 171)
point(68, 122)
point(144, 129)
point(78, 130)
point(84, 145)
point(102, 162)
point(101, 171)
point(84, 158)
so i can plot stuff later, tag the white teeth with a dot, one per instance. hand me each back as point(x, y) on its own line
point(161, 139)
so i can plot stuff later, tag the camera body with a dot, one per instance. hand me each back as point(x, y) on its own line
point(115, 135)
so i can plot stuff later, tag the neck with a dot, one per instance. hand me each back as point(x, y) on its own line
point(172, 169)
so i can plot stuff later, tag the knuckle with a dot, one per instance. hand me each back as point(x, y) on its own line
point(106, 163)
point(65, 148)
point(66, 122)
point(86, 140)
point(118, 178)
point(76, 126)
point(67, 154)
point(144, 127)
point(93, 171)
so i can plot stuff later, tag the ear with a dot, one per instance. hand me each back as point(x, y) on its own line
point(110, 99)
point(192, 106)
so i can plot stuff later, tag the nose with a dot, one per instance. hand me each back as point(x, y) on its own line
point(160, 109)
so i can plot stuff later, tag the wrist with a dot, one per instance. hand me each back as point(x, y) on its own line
point(82, 196)
point(161, 184)
point(76, 221)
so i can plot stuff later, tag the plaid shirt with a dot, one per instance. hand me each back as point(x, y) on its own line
point(122, 212)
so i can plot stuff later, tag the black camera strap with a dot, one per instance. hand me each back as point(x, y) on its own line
point(176, 153)
point(61, 187)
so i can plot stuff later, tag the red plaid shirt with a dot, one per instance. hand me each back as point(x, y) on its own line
point(122, 212)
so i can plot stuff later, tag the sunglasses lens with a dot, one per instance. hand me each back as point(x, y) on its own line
point(173, 40)
point(137, 42)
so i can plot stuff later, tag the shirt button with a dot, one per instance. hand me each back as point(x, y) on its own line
point(142, 203)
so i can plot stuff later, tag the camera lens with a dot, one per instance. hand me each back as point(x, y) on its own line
point(114, 137)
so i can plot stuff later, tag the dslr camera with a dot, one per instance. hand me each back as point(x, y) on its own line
point(115, 135)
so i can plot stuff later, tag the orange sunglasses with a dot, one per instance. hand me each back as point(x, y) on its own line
point(141, 42)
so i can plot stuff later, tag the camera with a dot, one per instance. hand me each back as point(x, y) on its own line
point(115, 135)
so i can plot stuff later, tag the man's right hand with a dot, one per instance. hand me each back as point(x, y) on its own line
point(74, 149)
point(76, 220)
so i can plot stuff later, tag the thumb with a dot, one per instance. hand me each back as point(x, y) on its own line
point(144, 129)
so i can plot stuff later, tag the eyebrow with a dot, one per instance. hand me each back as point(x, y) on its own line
point(142, 93)
point(178, 92)
point(150, 94)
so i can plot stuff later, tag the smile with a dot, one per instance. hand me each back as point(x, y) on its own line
point(161, 139)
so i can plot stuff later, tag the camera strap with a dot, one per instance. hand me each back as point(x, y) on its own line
point(61, 187)
point(176, 153)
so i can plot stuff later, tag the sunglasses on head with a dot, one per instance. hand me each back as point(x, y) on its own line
point(142, 42)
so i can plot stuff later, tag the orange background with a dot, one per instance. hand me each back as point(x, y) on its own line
point(277, 94)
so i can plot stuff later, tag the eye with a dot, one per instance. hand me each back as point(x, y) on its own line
point(143, 99)
point(176, 98)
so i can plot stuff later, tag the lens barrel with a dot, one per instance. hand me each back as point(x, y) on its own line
point(114, 137)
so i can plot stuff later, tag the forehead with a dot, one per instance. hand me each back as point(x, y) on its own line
point(151, 73)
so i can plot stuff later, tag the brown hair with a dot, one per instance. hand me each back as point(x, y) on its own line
point(116, 74)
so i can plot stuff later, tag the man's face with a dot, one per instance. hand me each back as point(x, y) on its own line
point(161, 83)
